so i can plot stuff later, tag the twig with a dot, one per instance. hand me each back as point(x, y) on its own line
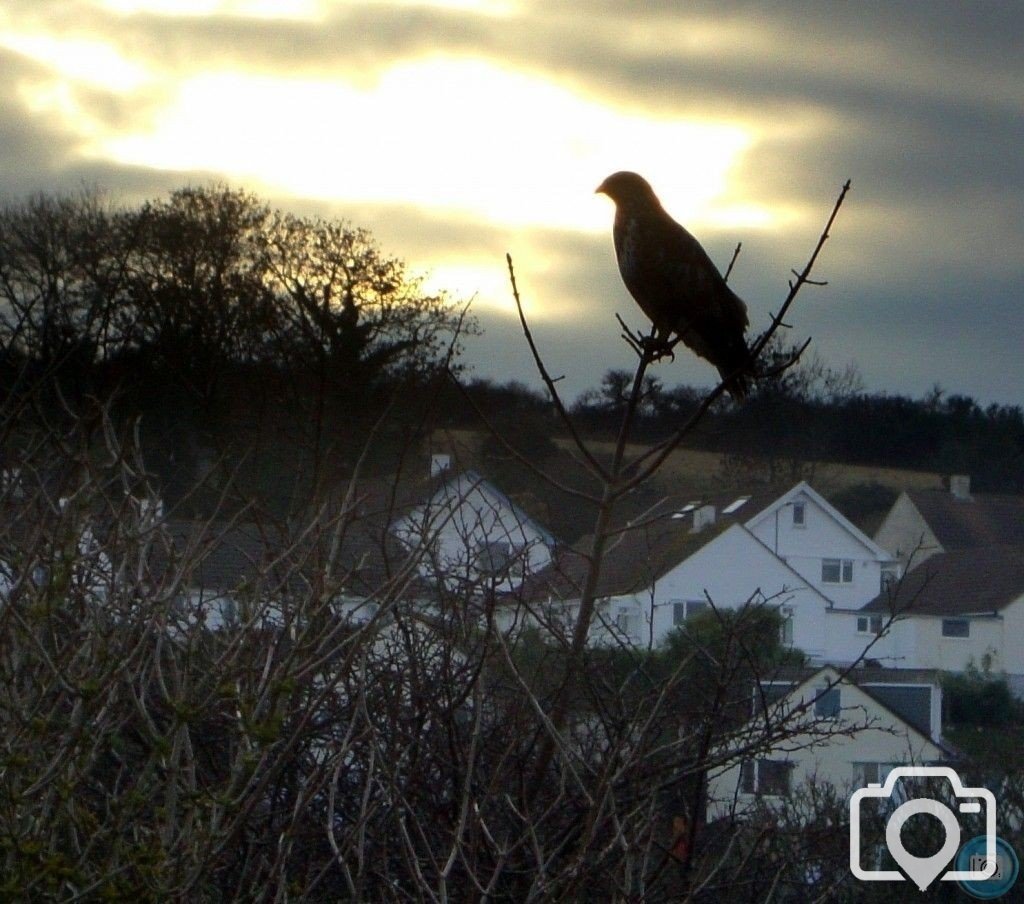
point(514, 452)
point(801, 278)
point(595, 466)
point(732, 263)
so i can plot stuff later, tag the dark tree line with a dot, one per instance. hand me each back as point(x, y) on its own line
point(222, 323)
point(814, 412)
point(229, 327)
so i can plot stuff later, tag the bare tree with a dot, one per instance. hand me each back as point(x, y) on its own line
point(352, 715)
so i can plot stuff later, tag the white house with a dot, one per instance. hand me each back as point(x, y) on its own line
point(796, 552)
point(959, 608)
point(923, 523)
point(34, 551)
point(469, 532)
point(814, 539)
point(846, 731)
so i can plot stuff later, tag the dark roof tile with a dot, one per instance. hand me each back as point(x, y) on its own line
point(959, 582)
point(978, 521)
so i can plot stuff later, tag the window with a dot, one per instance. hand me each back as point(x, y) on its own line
point(869, 624)
point(624, 621)
point(888, 580)
point(747, 783)
point(682, 611)
point(768, 777)
point(834, 571)
point(827, 704)
point(956, 627)
point(786, 626)
point(865, 774)
point(799, 513)
point(735, 505)
point(773, 777)
point(494, 556)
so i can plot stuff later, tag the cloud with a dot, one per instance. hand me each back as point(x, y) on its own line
point(919, 105)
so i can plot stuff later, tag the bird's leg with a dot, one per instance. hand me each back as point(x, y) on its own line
point(658, 345)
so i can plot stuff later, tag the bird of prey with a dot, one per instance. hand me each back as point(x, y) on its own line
point(675, 283)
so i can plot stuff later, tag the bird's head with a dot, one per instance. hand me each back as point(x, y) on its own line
point(627, 188)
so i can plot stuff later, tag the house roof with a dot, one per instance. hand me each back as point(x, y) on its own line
point(646, 549)
point(642, 551)
point(958, 582)
point(980, 520)
point(391, 499)
point(874, 683)
point(223, 556)
point(803, 488)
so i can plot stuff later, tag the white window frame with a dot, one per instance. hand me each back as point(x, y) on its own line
point(845, 567)
point(786, 613)
point(959, 621)
point(755, 773)
point(624, 621)
point(870, 625)
point(874, 773)
point(698, 606)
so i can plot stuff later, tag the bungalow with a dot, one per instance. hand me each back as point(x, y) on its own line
point(846, 729)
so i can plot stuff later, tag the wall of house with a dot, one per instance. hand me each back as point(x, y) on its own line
point(888, 741)
point(556, 619)
point(917, 642)
point(466, 515)
point(906, 535)
point(845, 644)
point(956, 653)
point(1013, 642)
point(820, 537)
point(731, 569)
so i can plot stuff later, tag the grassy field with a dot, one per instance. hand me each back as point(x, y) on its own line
point(696, 469)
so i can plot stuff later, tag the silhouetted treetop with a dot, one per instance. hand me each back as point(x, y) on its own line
point(207, 278)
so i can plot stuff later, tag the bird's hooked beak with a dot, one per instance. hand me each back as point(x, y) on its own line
point(602, 189)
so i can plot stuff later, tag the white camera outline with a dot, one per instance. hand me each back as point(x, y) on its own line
point(883, 791)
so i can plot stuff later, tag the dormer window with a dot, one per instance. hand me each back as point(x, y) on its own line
point(799, 514)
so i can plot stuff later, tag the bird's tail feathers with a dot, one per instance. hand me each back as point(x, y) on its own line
point(736, 384)
point(738, 374)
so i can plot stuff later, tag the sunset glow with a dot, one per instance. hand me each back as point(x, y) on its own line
point(83, 62)
point(457, 130)
point(461, 135)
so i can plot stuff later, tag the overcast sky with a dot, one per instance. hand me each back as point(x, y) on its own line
point(460, 130)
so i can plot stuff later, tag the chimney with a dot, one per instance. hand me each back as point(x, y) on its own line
point(439, 463)
point(960, 486)
point(703, 517)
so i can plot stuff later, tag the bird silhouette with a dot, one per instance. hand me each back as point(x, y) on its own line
point(675, 283)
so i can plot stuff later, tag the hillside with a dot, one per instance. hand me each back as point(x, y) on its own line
point(862, 492)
